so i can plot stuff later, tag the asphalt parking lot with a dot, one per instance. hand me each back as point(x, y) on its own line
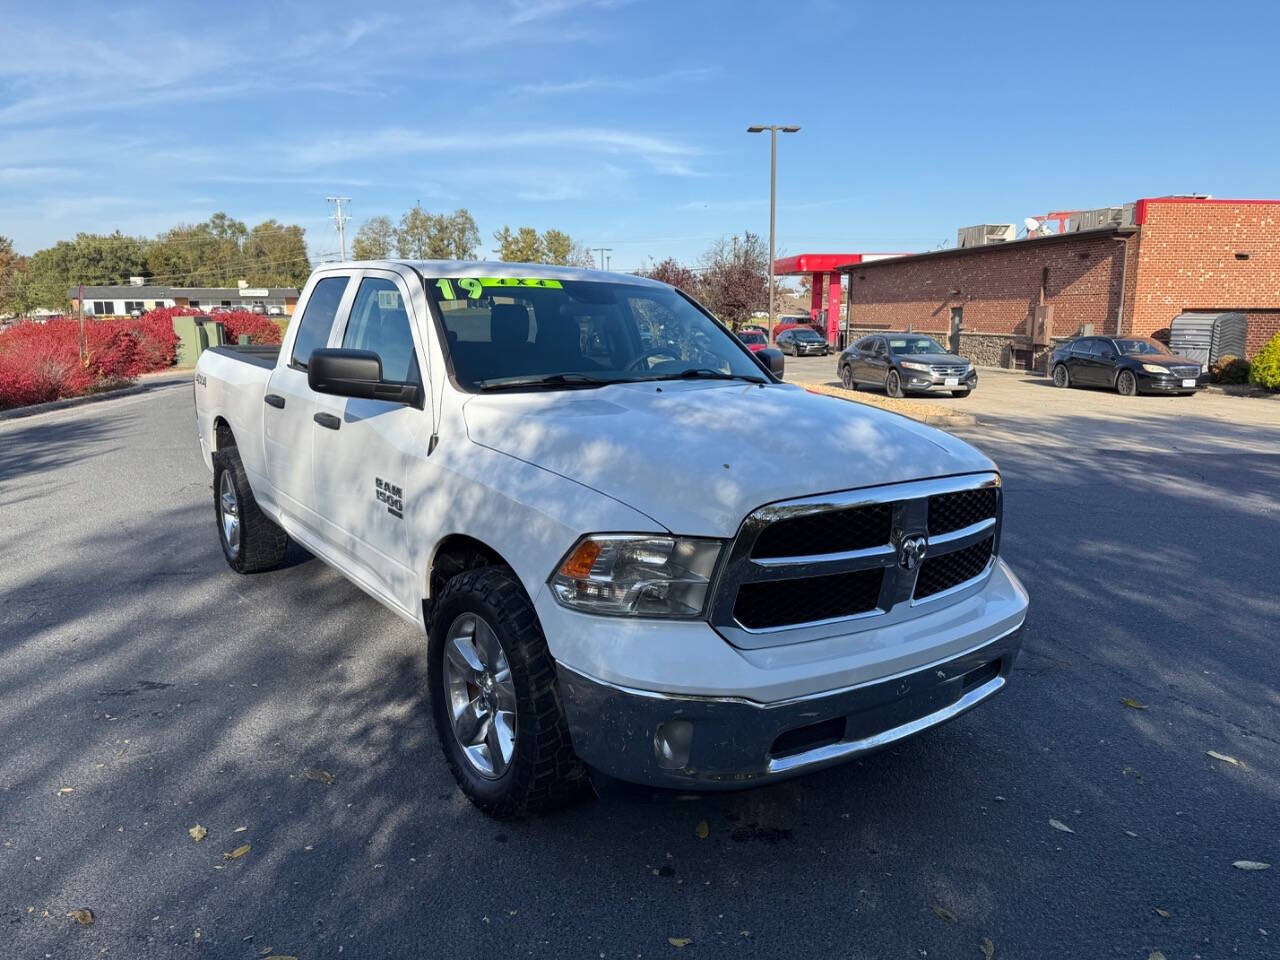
point(147, 689)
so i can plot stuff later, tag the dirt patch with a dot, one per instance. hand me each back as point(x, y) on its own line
point(922, 410)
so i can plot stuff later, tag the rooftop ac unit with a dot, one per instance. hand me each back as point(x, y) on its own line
point(137, 281)
point(986, 233)
point(1102, 218)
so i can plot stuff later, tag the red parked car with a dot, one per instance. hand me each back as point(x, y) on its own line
point(754, 339)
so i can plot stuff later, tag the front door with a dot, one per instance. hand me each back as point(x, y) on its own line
point(366, 450)
point(289, 404)
point(957, 324)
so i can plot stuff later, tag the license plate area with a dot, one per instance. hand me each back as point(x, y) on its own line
point(951, 382)
point(1188, 383)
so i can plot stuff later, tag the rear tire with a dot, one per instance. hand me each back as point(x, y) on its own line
point(1126, 384)
point(1061, 376)
point(539, 771)
point(251, 541)
point(893, 385)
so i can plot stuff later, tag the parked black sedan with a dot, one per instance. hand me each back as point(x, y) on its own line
point(802, 341)
point(905, 363)
point(1128, 365)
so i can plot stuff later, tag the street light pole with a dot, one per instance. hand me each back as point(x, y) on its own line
point(773, 129)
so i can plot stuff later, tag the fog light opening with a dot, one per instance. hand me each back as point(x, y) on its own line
point(672, 744)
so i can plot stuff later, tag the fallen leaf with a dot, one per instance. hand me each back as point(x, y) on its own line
point(1156, 955)
point(319, 776)
point(1223, 757)
point(82, 916)
point(64, 791)
point(1251, 865)
point(237, 853)
point(942, 913)
point(702, 831)
point(239, 829)
point(1059, 825)
point(1130, 833)
point(988, 948)
point(1130, 772)
point(1133, 704)
point(1163, 913)
point(198, 833)
point(679, 942)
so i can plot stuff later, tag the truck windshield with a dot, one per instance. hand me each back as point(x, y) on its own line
point(542, 333)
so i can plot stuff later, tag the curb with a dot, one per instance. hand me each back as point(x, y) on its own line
point(929, 419)
point(18, 413)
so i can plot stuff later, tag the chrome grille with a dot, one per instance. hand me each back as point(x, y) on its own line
point(804, 569)
point(1185, 371)
point(948, 369)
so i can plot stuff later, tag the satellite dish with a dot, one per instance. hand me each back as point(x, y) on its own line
point(1031, 223)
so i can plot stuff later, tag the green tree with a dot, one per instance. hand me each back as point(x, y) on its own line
point(437, 236)
point(375, 240)
point(276, 255)
point(522, 246)
point(10, 266)
point(526, 245)
point(209, 254)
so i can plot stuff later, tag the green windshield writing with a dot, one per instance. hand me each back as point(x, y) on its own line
point(473, 287)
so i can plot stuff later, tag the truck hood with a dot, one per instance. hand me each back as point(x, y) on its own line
point(697, 457)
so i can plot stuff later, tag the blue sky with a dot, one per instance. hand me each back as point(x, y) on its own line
point(623, 123)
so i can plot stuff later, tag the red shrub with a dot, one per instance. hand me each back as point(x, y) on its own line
point(259, 328)
point(40, 361)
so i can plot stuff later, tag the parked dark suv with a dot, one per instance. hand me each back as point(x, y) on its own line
point(802, 341)
point(1129, 365)
point(905, 363)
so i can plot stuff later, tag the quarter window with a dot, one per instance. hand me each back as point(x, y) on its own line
point(380, 323)
point(317, 319)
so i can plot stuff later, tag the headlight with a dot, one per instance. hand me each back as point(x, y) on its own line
point(922, 367)
point(1154, 368)
point(637, 576)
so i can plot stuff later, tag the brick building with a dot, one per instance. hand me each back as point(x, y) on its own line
point(1163, 256)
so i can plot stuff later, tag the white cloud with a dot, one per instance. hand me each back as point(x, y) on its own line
point(554, 88)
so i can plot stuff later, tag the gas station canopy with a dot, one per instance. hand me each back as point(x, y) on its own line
point(818, 264)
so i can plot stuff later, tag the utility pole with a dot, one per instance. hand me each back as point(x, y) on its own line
point(608, 263)
point(602, 251)
point(341, 221)
point(80, 310)
point(773, 195)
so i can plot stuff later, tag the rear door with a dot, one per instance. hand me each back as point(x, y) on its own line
point(877, 361)
point(366, 450)
point(290, 404)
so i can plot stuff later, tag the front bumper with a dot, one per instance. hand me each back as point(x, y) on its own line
point(918, 382)
point(1163, 383)
point(821, 350)
point(728, 742)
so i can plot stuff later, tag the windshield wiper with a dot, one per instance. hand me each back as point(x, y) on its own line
point(548, 380)
point(707, 373)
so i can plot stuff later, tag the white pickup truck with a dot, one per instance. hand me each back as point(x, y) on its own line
point(632, 548)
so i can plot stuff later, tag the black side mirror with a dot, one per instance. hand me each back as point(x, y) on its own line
point(772, 358)
point(357, 373)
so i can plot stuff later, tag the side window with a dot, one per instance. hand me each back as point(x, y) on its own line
point(380, 323)
point(879, 348)
point(317, 319)
point(1082, 348)
point(864, 344)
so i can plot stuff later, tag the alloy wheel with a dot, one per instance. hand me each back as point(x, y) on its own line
point(229, 513)
point(481, 695)
point(1126, 383)
point(1059, 376)
point(846, 378)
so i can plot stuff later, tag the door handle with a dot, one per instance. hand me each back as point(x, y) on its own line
point(327, 420)
point(274, 400)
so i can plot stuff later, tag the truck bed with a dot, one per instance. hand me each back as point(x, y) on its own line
point(260, 355)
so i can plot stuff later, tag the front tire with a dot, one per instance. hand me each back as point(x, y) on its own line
point(251, 541)
point(1126, 384)
point(1061, 376)
point(495, 698)
point(846, 378)
point(893, 385)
